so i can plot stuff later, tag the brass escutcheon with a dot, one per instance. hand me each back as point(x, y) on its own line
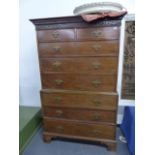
point(96, 116)
point(59, 128)
point(58, 99)
point(96, 132)
point(97, 33)
point(55, 35)
point(96, 65)
point(59, 113)
point(56, 64)
point(58, 81)
point(97, 103)
point(96, 83)
point(56, 48)
point(96, 47)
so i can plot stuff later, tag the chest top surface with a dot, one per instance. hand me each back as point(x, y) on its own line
point(73, 22)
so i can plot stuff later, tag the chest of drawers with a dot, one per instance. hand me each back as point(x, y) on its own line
point(78, 68)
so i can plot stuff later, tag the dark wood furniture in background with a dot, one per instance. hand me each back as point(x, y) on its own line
point(128, 82)
point(78, 65)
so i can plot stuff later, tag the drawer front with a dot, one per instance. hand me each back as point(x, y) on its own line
point(102, 131)
point(79, 82)
point(55, 35)
point(49, 50)
point(81, 114)
point(79, 100)
point(101, 65)
point(106, 33)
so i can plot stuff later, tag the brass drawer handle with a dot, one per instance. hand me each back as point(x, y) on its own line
point(97, 103)
point(96, 65)
point(59, 128)
point(56, 64)
point(97, 132)
point(59, 82)
point(58, 99)
point(56, 48)
point(96, 47)
point(96, 83)
point(55, 35)
point(97, 33)
point(59, 113)
point(96, 116)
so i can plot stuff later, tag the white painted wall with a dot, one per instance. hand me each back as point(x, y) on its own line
point(29, 69)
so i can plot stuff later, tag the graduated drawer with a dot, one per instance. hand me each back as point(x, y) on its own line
point(91, 48)
point(55, 35)
point(79, 99)
point(105, 33)
point(81, 114)
point(102, 65)
point(79, 82)
point(92, 130)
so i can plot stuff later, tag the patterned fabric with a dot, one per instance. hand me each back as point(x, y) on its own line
point(128, 82)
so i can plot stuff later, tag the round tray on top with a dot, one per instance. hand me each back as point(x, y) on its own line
point(92, 11)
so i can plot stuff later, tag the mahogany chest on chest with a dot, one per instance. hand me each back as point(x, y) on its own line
point(78, 68)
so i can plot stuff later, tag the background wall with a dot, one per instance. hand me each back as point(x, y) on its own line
point(29, 80)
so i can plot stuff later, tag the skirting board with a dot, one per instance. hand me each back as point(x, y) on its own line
point(29, 123)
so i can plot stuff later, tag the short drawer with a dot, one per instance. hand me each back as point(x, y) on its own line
point(79, 99)
point(101, 65)
point(55, 35)
point(81, 114)
point(105, 33)
point(79, 82)
point(92, 130)
point(91, 48)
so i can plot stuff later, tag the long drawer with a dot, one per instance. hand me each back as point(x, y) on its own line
point(106, 65)
point(81, 114)
point(85, 82)
point(92, 130)
point(79, 99)
point(87, 48)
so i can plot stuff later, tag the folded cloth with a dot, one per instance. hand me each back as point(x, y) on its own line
point(94, 16)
